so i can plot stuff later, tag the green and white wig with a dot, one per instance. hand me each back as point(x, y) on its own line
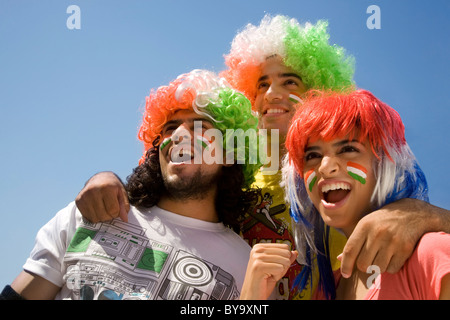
point(304, 48)
point(211, 96)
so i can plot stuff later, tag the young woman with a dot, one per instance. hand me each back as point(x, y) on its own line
point(347, 156)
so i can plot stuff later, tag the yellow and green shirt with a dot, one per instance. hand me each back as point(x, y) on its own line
point(269, 222)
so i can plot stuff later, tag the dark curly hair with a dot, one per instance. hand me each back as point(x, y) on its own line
point(145, 187)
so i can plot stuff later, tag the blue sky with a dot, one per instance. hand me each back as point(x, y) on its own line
point(71, 100)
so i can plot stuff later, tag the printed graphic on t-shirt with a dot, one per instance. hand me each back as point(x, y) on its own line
point(269, 222)
point(265, 214)
point(116, 261)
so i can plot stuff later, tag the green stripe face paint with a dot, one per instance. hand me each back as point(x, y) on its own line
point(205, 143)
point(357, 172)
point(165, 142)
point(295, 98)
point(310, 178)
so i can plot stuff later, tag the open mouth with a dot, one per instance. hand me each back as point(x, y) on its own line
point(335, 193)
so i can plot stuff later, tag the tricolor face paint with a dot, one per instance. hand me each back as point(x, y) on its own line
point(295, 98)
point(357, 172)
point(165, 142)
point(310, 179)
point(203, 141)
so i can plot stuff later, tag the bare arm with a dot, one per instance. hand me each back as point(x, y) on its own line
point(103, 198)
point(387, 237)
point(33, 287)
point(445, 288)
point(268, 263)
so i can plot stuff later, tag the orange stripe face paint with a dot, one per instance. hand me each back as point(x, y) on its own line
point(310, 179)
point(357, 172)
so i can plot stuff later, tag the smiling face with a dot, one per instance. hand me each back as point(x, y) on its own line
point(274, 87)
point(340, 181)
point(182, 174)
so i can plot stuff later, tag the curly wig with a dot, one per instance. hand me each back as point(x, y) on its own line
point(211, 96)
point(230, 111)
point(305, 49)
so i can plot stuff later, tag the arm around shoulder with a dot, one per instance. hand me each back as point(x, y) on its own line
point(103, 198)
point(435, 219)
point(393, 231)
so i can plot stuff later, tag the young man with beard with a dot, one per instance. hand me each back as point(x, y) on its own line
point(178, 242)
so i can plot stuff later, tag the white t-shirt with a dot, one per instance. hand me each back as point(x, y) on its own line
point(156, 255)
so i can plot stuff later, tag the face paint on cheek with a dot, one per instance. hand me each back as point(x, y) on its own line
point(295, 98)
point(204, 142)
point(357, 172)
point(165, 142)
point(310, 178)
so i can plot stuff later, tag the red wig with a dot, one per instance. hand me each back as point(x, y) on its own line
point(331, 115)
